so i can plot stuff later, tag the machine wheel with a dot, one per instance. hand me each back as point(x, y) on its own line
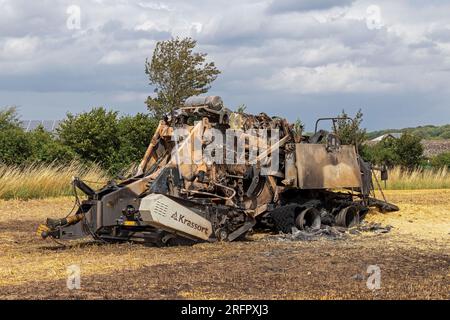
point(284, 218)
point(308, 218)
point(347, 217)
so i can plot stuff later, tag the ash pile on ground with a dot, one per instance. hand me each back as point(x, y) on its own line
point(332, 232)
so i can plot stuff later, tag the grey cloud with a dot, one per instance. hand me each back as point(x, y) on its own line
point(116, 29)
point(21, 18)
point(305, 5)
point(275, 63)
point(441, 34)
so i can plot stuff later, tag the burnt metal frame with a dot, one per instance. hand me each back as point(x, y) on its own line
point(334, 120)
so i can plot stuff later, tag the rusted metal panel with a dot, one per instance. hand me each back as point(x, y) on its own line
point(319, 168)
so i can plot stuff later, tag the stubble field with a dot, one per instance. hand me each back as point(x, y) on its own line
point(414, 259)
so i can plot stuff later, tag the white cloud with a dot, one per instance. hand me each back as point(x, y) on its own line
point(114, 57)
point(331, 78)
point(130, 96)
point(19, 48)
point(265, 49)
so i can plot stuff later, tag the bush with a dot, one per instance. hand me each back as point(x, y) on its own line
point(15, 147)
point(409, 151)
point(383, 152)
point(46, 148)
point(98, 136)
point(350, 132)
point(442, 160)
point(9, 119)
point(92, 135)
point(102, 137)
point(135, 133)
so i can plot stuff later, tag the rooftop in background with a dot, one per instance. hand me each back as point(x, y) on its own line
point(395, 135)
point(48, 125)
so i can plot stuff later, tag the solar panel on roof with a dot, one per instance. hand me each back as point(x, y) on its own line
point(56, 124)
point(34, 124)
point(49, 125)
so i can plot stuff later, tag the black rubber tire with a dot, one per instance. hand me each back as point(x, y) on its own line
point(308, 218)
point(284, 218)
point(348, 217)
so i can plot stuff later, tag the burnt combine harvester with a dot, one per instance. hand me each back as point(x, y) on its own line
point(271, 175)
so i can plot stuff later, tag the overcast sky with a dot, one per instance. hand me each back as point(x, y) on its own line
point(297, 58)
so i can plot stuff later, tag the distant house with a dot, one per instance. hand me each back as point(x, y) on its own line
point(394, 135)
point(431, 148)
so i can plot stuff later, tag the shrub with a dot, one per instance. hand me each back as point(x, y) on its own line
point(92, 135)
point(383, 152)
point(134, 133)
point(442, 160)
point(9, 119)
point(409, 150)
point(102, 137)
point(350, 131)
point(15, 147)
point(46, 148)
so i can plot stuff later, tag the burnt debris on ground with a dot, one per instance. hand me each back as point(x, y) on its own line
point(332, 232)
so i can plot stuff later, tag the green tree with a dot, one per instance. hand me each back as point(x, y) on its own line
point(177, 73)
point(9, 118)
point(382, 153)
point(409, 150)
point(445, 135)
point(92, 135)
point(297, 129)
point(46, 148)
point(135, 133)
point(441, 160)
point(350, 131)
point(14, 145)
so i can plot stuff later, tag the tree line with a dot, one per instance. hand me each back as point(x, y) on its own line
point(98, 136)
point(406, 151)
point(176, 72)
point(428, 132)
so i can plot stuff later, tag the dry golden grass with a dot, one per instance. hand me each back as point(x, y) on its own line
point(39, 181)
point(418, 179)
point(414, 258)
